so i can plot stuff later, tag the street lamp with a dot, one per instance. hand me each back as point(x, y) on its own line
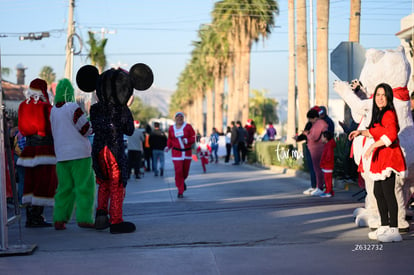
point(34, 36)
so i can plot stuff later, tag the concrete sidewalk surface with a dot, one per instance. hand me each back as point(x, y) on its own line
point(234, 219)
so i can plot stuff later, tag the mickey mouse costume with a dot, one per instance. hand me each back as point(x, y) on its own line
point(111, 119)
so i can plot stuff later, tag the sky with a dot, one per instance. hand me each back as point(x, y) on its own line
point(160, 33)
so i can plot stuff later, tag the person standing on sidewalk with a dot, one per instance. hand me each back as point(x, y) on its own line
point(315, 146)
point(328, 162)
point(38, 156)
point(158, 141)
point(214, 144)
point(228, 144)
point(135, 150)
point(181, 137)
point(147, 149)
point(70, 129)
point(387, 163)
point(242, 141)
point(235, 143)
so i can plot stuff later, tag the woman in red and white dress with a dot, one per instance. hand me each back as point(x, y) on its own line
point(181, 137)
point(387, 162)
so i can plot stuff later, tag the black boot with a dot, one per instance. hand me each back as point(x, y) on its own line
point(101, 219)
point(35, 217)
point(123, 227)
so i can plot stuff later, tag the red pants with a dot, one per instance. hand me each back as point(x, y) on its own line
point(182, 168)
point(328, 182)
point(204, 162)
point(111, 191)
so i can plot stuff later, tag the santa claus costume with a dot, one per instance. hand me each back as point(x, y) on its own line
point(38, 156)
point(204, 152)
point(181, 137)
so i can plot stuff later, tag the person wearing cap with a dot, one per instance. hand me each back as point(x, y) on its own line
point(77, 185)
point(324, 115)
point(38, 156)
point(181, 137)
point(135, 149)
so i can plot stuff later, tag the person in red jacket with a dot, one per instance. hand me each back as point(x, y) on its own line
point(181, 137)
point(387, 163)
point(327, 162)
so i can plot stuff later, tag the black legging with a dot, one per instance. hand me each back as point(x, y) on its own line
point(384, 191)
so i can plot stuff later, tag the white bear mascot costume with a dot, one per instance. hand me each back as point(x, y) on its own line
point(391, 67)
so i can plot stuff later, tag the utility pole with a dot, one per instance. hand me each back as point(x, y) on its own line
point(69, 42)
point(354, 30)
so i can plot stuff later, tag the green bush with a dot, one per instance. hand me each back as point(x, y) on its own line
point(276, 153)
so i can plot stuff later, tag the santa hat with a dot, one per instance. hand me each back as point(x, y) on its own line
point(249, 121)
point(38, 90)
point(136, 123)
point(318, 109)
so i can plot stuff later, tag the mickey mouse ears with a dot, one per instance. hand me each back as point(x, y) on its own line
point(86, 78)
point(140, 75)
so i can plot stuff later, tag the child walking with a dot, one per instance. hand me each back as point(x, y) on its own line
point(327, 162)
point(203, 151)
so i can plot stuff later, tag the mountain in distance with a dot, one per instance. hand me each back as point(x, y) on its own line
point(156, 97)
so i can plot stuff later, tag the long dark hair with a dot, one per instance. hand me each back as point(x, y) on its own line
point(377, 114)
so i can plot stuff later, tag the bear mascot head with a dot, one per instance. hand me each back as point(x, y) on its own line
point(393, 68)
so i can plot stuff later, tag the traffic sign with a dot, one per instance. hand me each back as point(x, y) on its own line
point(347, 60)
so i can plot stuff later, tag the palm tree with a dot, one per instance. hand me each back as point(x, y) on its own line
point(322, 80)
point(302, 63)
point(48, 75)
point(249, 20)
point(97, 52)
point(291, 118)
point(354, 31)
point(354, 22)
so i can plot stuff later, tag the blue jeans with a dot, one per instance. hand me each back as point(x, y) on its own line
point(310, 167)
point(214, 149)
point(236, 153)
point(157, 155)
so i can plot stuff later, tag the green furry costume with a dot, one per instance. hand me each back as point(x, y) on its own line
point(76, 179)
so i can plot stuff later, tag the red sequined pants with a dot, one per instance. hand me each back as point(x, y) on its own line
point(111, 191)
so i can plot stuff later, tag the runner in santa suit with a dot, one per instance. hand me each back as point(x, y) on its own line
point(181, 137)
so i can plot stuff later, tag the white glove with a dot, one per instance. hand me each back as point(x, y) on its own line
point(166, 149)
point(185, 140)
point(341, 87)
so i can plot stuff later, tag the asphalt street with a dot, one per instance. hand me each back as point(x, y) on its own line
point(232, 220)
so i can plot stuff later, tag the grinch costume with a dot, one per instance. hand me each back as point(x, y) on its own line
point(70, 129)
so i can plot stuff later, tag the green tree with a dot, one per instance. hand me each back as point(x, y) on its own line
point(97, 52)
point(263, 109)
point(5, 71)
point(48, 75)
point(143, 113)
